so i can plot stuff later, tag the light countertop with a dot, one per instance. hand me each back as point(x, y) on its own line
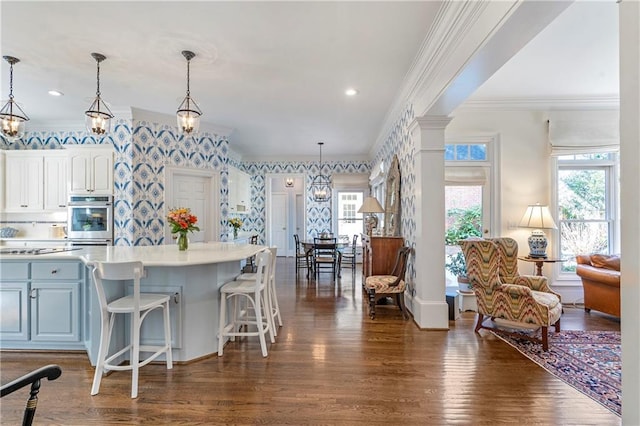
point(165, 255)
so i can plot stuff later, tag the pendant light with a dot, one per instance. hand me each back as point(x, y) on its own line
point(321, 184)
point(12, 116)
point(98, 116)
point(188, 113)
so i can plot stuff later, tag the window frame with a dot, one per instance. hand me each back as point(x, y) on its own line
point(611, 167)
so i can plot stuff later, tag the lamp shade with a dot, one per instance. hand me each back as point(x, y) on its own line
point(370, 205)
point(538, 217)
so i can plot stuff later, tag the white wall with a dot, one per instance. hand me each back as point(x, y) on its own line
point(525, 175)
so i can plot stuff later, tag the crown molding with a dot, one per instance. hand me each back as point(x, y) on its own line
point(452, 27)
point(541, 103)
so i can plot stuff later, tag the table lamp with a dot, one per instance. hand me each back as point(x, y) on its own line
point(538, 217)
point(369, 207)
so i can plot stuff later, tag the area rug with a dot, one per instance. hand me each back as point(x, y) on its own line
point(589, 361)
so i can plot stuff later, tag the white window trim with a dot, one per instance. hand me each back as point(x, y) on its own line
point(570, 278)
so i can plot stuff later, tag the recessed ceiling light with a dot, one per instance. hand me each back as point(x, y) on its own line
point(55, 93)
point(351, 92)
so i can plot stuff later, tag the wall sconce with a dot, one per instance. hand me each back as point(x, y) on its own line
point(538, 217)
point(288, 182)
point(98, 117)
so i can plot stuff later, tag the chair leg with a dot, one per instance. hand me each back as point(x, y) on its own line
point(479, 323)
point(135, 354)
point(102, 355)
point(557, 325)
point(167, 335)
point(403, 308)
point(545, 338)
point(372, 303)
point(275, 304)
point(222, 322)
point(259, 303)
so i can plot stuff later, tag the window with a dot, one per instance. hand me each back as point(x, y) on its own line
point(587, 186)
point(350, 222)
point(465, 152)
point(469, 185)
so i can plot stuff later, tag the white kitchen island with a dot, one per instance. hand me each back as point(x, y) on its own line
point(192, 278)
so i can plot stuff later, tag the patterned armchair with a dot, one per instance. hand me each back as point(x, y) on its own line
point(518, 303)
point(508, 248)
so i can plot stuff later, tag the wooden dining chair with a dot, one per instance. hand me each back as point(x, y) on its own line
point(49, 372)
point(349, 256)
point(302, 255)
point(325, 256)
point(250, 265)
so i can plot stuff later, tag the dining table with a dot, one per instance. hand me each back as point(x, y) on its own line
point(309, 245)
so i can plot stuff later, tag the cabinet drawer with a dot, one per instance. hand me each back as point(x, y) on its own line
point(55, 271)
point(14, 271)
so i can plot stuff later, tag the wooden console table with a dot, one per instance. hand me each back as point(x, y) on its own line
point(379, 254)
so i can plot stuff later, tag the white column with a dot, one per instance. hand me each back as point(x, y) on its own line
point(629, 14)
point(429, 304)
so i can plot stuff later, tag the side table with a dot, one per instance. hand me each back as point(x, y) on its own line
point(539, 262)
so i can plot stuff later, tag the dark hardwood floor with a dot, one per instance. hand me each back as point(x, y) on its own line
point(330, 364)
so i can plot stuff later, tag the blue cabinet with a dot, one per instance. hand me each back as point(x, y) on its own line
point(41, 304)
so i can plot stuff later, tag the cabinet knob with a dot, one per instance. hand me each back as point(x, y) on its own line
point(32, 293)
point(54, 271)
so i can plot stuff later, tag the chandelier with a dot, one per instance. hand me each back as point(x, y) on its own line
point(321, 184)
point(12, 116)
point(188, 113)
point(98, 117)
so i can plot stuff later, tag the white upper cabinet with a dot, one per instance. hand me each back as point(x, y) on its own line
point(56, 178)
point(239, 191)
point(91, 170)
point(24, 181)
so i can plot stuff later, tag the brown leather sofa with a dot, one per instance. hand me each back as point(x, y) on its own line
point(600, 275)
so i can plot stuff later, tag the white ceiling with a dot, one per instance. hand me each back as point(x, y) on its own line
point(574, 61)
point(275, 72)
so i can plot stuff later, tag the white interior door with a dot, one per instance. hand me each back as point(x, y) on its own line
point(279, 209)
point(300, 217)
point(193, 192)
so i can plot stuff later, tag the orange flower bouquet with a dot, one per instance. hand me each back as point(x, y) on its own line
point(182, 221)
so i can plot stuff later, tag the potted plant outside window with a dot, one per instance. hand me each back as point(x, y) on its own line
point(457, 266)
point(465, 223)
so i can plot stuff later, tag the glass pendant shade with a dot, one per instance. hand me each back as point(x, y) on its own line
point(12, 117)
point(321, 184)
point(98, 117)
point(188, 114)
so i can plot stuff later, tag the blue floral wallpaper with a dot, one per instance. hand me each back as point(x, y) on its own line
point(142, 152)
point(399, 143)
point(318, 214)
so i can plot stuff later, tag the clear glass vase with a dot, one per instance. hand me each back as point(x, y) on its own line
point(183, 242)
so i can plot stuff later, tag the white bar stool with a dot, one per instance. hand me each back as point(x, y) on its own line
point(138, 305)
point(255, 294)
point(271, 290)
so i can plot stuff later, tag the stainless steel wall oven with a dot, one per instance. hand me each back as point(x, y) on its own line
point(90, 219)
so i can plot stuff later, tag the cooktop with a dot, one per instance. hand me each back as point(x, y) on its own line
point(34, 250)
